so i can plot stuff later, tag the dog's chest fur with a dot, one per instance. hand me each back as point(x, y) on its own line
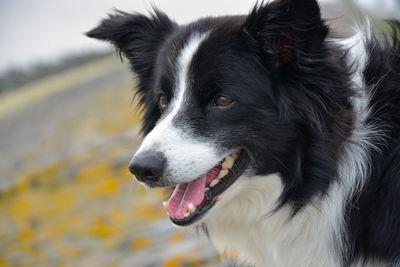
point(242, 226)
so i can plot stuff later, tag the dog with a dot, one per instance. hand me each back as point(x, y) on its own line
point(280, 140)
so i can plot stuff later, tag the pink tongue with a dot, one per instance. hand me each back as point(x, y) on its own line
point(192, 192)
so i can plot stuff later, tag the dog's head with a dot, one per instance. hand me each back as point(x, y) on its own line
point(222, 97)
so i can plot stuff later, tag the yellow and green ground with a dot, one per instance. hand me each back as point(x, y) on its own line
point(66, 196)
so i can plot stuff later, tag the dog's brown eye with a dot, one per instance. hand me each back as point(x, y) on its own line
point(223, 101)
point(163, 101)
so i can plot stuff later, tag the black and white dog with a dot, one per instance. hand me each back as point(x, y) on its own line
point(280, 140)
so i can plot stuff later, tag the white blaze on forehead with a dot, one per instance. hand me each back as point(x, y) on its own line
point(187, 156)
point(184, 60)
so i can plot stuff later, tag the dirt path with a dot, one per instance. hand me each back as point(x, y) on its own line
point(28, 135)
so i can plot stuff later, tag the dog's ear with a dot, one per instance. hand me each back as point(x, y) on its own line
point(287, 30)
point(136, 36)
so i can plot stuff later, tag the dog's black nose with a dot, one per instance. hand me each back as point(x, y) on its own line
point(147, 166)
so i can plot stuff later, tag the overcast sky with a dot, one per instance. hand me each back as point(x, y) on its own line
point(43, 30)
point(46, 29)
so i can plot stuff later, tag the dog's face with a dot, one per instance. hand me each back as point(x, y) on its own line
point(212, 107)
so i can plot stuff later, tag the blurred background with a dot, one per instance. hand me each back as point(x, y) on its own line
point(68, 128)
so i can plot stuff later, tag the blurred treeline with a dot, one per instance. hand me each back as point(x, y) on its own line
point(18, 76)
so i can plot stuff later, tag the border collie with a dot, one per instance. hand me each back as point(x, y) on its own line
point(280, 140)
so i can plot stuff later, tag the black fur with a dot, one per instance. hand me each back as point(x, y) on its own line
point(374, 216)
point(292, 111)
point(310, 84)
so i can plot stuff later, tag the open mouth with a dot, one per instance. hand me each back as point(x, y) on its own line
point(190, 201)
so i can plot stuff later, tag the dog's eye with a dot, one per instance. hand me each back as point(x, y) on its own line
point(223, 101)
point(163, 101)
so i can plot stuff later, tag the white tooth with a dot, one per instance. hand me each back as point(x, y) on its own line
point(207, 188)
point(164, 203)
point(186, 215)
point(222, 173)
point(214, 182)
point(228, 162)
point(191, 207)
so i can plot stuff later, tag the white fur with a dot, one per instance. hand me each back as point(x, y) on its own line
point(187, 157)
point(314, 237)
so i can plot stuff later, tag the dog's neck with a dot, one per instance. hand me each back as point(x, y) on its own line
point(243, 221)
